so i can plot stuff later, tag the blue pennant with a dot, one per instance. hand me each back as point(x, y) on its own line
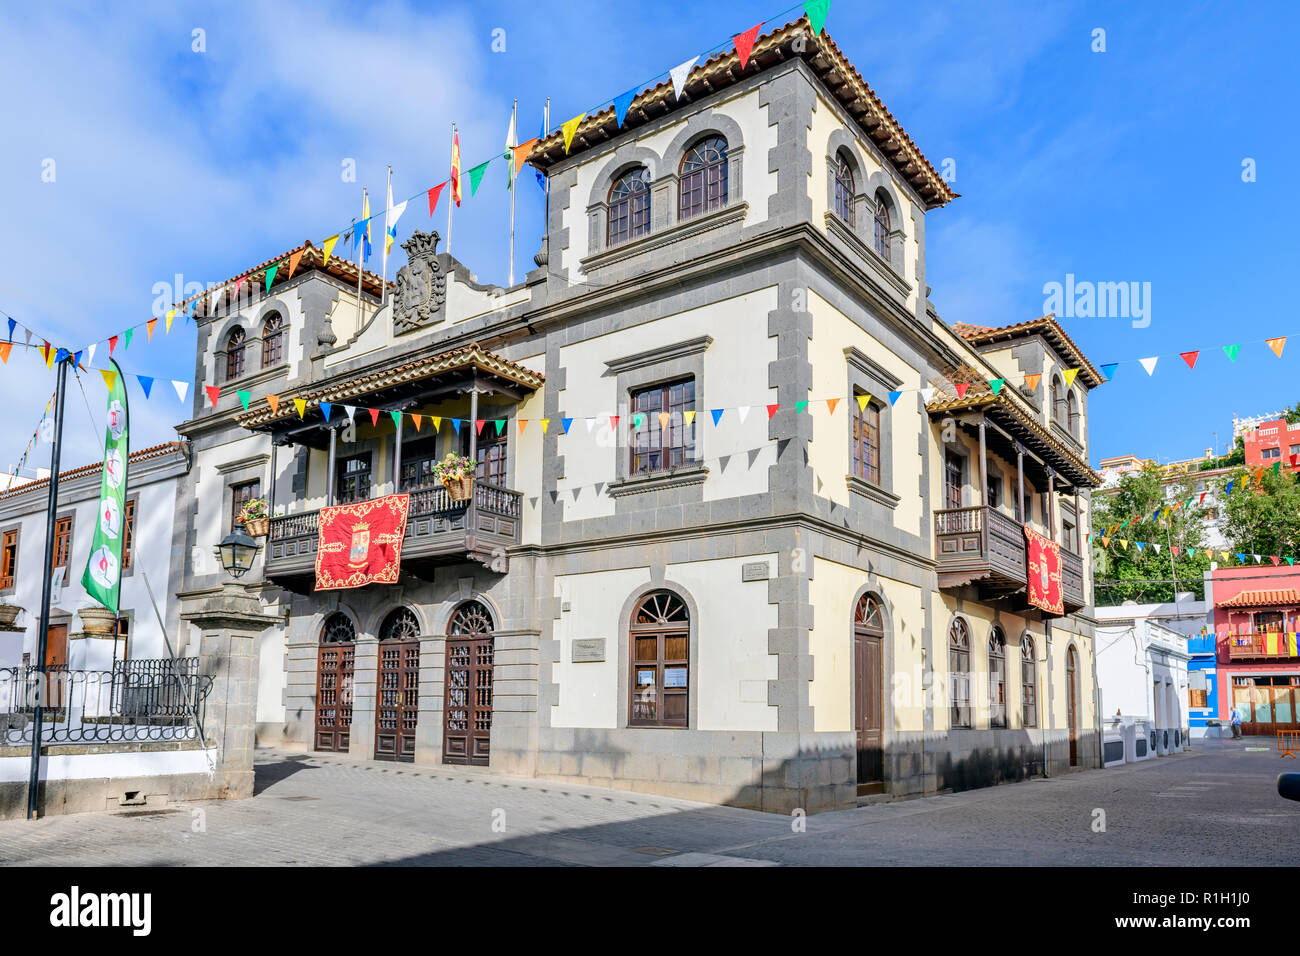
point(325, 409)
point(146, 384)
point(621, 103)
point(1109, 370)
point(455, 423)
point(565, 423)
point(717, 414)
point(893, 397)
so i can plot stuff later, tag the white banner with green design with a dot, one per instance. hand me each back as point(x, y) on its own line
point(103, 575)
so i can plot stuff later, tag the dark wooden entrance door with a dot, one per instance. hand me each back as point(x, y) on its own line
point(334, 666)
point(397, 707)
point(868, 638)
point(1072, 704)
point(467, 704)
point(56, 662)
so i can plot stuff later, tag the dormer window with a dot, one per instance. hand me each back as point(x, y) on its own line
point(235, 354)
point(844, 189)
point(272, 340)
point(703, 177)
point(629, 206)
point(882, 227)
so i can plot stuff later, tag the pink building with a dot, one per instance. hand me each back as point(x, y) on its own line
point(1256, 615)
point(1272, 442)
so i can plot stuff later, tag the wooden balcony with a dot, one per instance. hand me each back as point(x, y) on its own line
point(1256, 646)
point(984, 547)
point(439, 532)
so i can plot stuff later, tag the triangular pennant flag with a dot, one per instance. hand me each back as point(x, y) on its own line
point(1123, 543)
point(476, 176)
point(328, 248)
point(146, 384)
point(830, 405)
point(663, 419)
point(742, 412)
point(149, 325)
point(961, 389)
point(301, 405)
point(564, 425)
point(12, 325)
point(621, 104)
point(717, 414)
point(325, 410)
point(637, 421)
point(455, 425)
point(1231, 351)
point(1291, 561)
point(171, 314)
point(996, 384)
point(894, 396)
point(126, 339)
point(745, 43)
point(60, 354)
point(293, 263)
point(863, 399)
point(927, 394)
point(799, 407)
point(591, 423)
point(1258, 559)
point(1190, 358)
point(1229, 488)
point(1070, 374)
point(109, 376)
point(396, 416)
point(570, 127)
point(112, 344)
point(679, 73)
point(1108, 370)
point(815, 11)
point(1140, 545)
point(434, 193)
point(723, 462)
point(414, 417)
point(182, 389)
point(1277, 345)
point(244, 396)
point(772, 410)
point(214, 392)
point(1031, 381)
point(350, 411)
point(523, 423)
point(5, 349)
point(500, 423)
point(577, 489)
point(274, 402)
point(1241, 557)
point(689, 418)
point(1274, 559)
point(520, 155)
point(1150, 364)
point(90, 354)
point(613, 421)
point(437, 422)
point(479, 423)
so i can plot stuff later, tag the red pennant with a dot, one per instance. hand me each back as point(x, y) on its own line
point(1174, 549)
point(374, 416)
point(961, 389)
point(613, 421)
point(771, 411)
point(112, 344)
point(434, 193)
point(479, 423)
point(213, 392)
point(745, 44)
point(1275, 560)
point(1190, 358)
point(1204, 493)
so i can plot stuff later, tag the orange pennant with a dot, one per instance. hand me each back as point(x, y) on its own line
point(417, 419)
point(274, 402)
point(830, 405)
point(1277, 345)
point(521, 155)
point(149, 325)
point(663, 419)
point(523, 423)
point(293, 263)
point(1031, 381)
point(5, 348)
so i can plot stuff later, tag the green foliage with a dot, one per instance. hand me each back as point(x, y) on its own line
point(1139, 496)
point(1263, 517)
point(1235, 457)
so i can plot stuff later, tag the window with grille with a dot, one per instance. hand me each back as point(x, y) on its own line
point(702, 183)
point(240, 495)
point(235, 354)
point(866, 442)
point(665, 436)
point(8, 559)
point(629, 206)
point(272, 340)
point(959, 673)
point(128, 533)
point(1028, 684)
point(844, 189)
point(659, 651)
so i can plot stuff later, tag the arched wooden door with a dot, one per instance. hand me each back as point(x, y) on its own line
point(397, 706)
point(334, 664)
point(467, 701)
point(868, 712)
point(1072, 703)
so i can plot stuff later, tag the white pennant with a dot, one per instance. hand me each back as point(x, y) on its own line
point(351, 410)
point(927, 394)
point(212, 300)
point(90, 355)
point(1150, 364)
point(1156, 545)
point(591, 423)
point(743, 412)
point(679, 74)
point(181, 389)
point(1258, 559)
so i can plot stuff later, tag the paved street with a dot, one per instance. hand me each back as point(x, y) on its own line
point(1215, 806)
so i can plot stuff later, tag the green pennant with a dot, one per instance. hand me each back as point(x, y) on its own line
point(1231, 351)
point(799, 407)
point(1277, 468)
point(637, 420)
point(270, 275)
point(996, 384)
point(397, 419)
point(500, 423)
point(126, 339)
point(243, 398)
point(816, 11)
point(476, 176)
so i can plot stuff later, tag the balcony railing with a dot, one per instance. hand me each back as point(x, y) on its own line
point(1246, 646)
point(438, 531)
point(982, 545)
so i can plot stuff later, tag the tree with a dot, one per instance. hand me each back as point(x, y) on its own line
point(1143, 574)
point(1262, 517)
point(1235, 457)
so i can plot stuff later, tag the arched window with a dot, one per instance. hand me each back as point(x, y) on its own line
point(659, 653)
point(272, 340)
point(629, 206)
point(1058, 401)
point(959, 672)
point(401, 624)
point(1072, 413)
point(1028, 683)
point(235, 354)
point(882, 227)
point(866, 616)
point(338, 629)
point(997, 678)
point(702, 181)
point(844, 188)
point(470, 618)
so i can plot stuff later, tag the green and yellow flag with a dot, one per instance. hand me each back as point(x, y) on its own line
point(102, 578)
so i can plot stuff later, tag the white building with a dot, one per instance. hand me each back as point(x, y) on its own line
point(150, 512)
point(1142, 670)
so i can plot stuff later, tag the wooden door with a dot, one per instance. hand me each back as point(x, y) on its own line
point(56, 663)
point(868, 638)
point(952, 482)
point(334, 696)
point(467, 702)
point(398, 706)
point(1072, 704)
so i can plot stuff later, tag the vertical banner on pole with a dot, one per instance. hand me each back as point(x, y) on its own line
point(102, 578)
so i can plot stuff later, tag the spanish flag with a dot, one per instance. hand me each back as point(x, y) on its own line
point(455, 168)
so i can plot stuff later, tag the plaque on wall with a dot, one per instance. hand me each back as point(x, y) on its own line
point(587, 650)
point(754, 571)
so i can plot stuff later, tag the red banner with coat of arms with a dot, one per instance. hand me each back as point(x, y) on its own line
point(1044, 573)
point(361, 543)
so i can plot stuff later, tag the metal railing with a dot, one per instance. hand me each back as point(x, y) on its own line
point(138, 700)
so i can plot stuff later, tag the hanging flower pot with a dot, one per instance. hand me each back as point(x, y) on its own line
point(254, 518)
point(456, 472)
point(460, 489)
point(257, 527)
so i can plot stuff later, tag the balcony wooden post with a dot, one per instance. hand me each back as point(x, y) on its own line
point(473, 421)
point(397, 458)
point(270, 485)
point(984, 469)
point(1020, 479)
point(1051, 504)
point(329, 474)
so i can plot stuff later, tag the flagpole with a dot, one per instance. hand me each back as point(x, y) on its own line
point(361, 252)
point(43, 635)
point(388, 211)
point(546, 216)
point(451, 200)
point(514, 188)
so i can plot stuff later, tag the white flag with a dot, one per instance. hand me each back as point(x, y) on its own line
point(679, 73)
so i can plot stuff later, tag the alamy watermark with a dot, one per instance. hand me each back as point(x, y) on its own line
point(1100, 300)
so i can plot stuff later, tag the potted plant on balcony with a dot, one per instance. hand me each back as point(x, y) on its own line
point(8, 613)
point(456, 472)
point(254, 518)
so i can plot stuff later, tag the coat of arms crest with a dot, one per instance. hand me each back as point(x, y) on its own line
point(421, 284)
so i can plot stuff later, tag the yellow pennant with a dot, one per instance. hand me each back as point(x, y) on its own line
point(109, 377)
point(546, 422)
point(1069, 376)
point(437, 422)
point(663, 419)
point(1225, 555)
point(171, 314)
point(570, 128)
point(1123, 543)
point(862, 402)
point(301, 405)
point(690, 417)
point(48, 352)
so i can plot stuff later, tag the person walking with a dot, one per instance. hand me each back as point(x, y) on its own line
point(1236, 723)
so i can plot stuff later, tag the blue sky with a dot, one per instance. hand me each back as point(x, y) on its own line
point(1122, 166)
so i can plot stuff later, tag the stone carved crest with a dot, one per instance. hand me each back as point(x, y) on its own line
point(421, 284)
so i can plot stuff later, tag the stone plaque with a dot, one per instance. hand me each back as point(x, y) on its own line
point(589, 649)
point(754, 571)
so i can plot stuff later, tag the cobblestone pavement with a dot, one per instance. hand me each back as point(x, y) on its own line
point(1215, 806)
